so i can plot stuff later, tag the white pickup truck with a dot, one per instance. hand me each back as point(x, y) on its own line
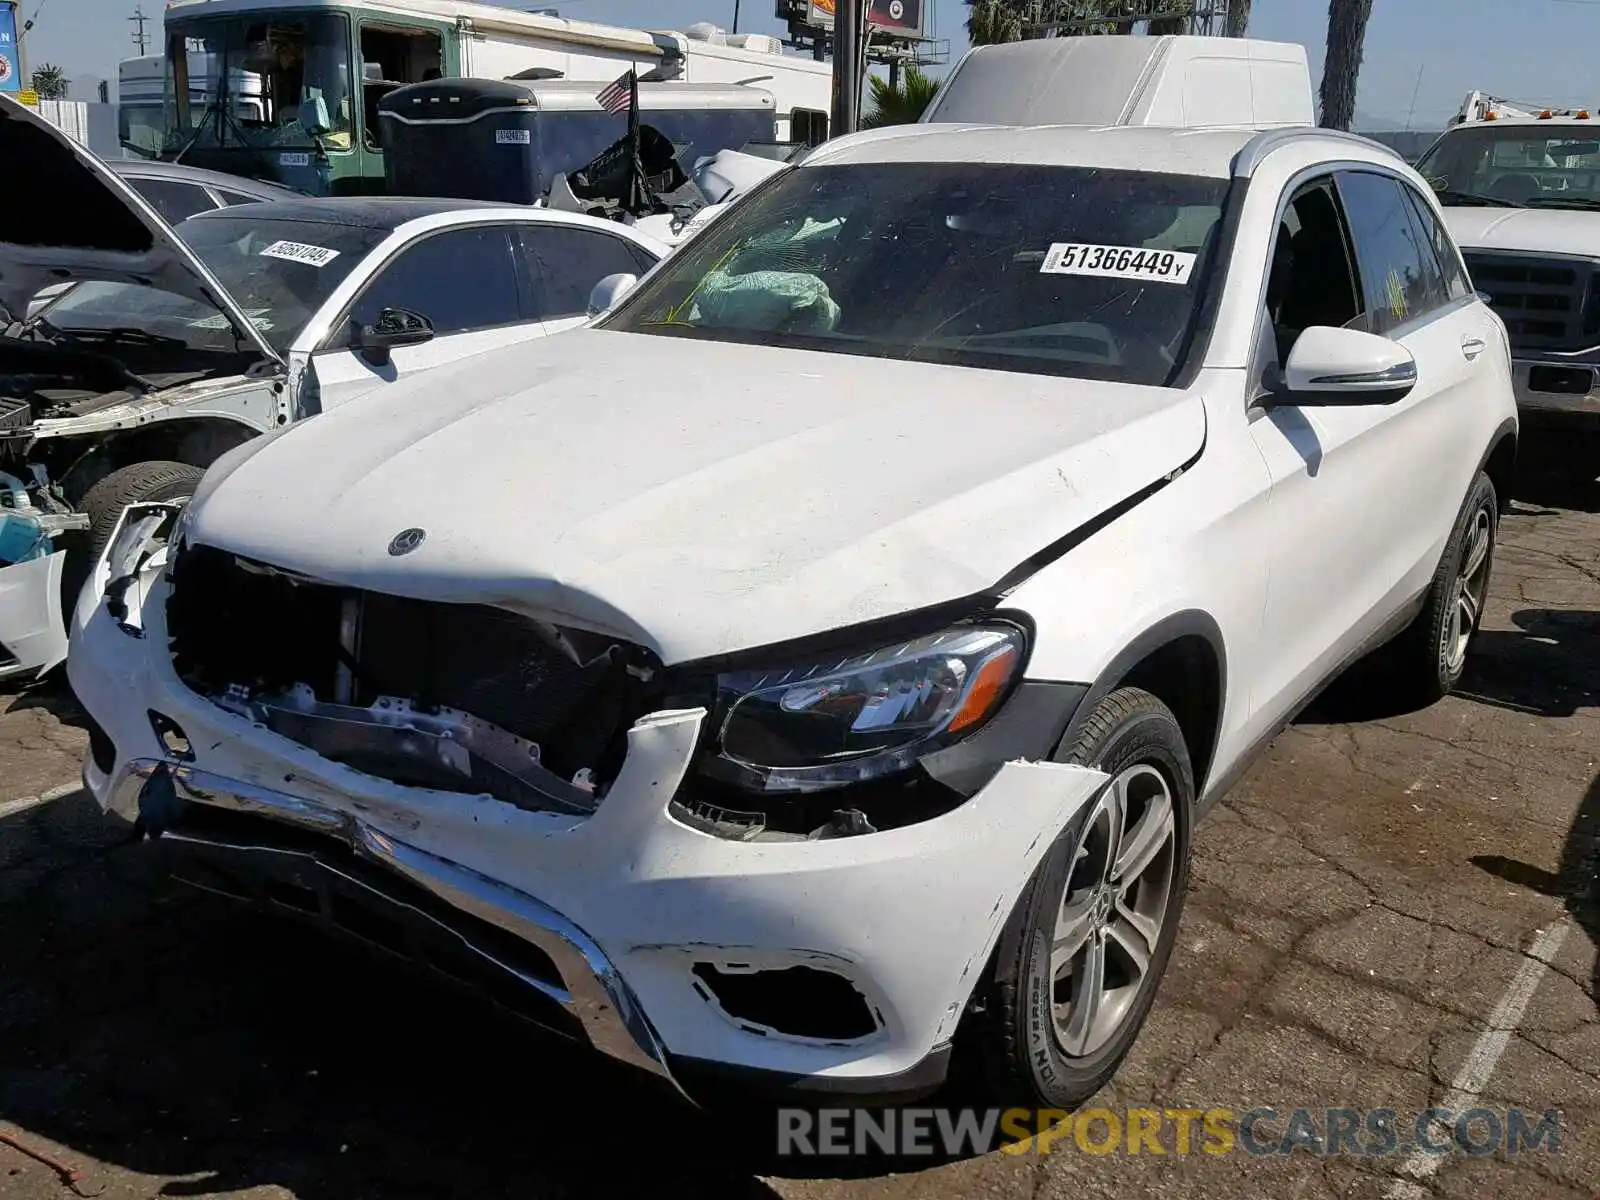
point(1520, 188)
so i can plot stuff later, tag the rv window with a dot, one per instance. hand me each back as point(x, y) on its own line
point(392, 56)
point(808, 127)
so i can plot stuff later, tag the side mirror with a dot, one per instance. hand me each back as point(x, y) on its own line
point(608, 293)
point(394, 327)
point(1331, 366)
point(313, 116)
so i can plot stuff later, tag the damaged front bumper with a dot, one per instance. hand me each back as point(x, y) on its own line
point(836, 966)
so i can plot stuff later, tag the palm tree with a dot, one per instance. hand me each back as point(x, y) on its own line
point(899, 105)
point(1347, 32)
point(1238, 18)
point(50, 81)
point(993, 21)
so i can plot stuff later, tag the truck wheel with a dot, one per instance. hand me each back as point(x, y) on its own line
point(1428, 659)
point(135, 484)
point(1084, 950)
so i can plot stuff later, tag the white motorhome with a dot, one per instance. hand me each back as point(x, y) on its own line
point(1177, 82)
point(1520, 186)
point(351, 53)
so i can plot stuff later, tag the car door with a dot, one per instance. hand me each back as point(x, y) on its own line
point(1363, 496)
point(562, 263)
point(463, 279)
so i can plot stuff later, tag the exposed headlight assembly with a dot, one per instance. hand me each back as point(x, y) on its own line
point(850, 719)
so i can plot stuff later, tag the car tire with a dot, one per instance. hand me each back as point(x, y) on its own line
point(1427, 660)
point(1031, 1053)
point(137, 484)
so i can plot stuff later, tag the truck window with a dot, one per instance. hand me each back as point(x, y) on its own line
point(393, 56)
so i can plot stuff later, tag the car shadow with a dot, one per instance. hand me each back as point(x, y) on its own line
point(146, 1027)
point(1558, 469)
point(1576, 883)
point(51, 693)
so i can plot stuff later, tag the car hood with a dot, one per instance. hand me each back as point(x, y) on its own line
point(1535, 230)
point(696, 497)
point(76, 219)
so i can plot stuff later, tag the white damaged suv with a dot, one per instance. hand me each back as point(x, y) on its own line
point(814, 671)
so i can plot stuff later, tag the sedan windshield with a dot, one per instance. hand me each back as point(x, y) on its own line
point(1538, 166)
point(278, 272)
point(1051, 270)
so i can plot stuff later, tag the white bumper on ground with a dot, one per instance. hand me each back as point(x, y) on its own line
point(33, 637)
point(631, 899)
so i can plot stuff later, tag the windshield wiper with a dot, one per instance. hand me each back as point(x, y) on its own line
point(1585, 202)
point(1451, 196)
point(120, 333)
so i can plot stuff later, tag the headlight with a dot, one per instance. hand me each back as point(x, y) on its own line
point(846, 720)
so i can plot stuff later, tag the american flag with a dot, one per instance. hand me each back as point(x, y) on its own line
point(618, 96)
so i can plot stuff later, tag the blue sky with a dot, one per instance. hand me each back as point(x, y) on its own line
point(1531, 49)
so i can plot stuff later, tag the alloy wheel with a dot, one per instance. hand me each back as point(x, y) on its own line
point(1112, 909)
point(1471, 589)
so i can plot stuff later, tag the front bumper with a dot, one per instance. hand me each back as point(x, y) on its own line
point(1557, 386)
point(33, 636)
point(634, 917)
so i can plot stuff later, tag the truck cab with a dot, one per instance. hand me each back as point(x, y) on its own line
point(1521, 193)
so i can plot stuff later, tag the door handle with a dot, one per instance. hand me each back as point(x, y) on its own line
point(1473, 346)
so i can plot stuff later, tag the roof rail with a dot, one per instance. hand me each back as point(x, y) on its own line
point(1258, 147)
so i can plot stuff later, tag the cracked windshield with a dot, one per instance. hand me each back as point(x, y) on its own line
point(279, 273)
point(1515, 167)
point(1052, 270)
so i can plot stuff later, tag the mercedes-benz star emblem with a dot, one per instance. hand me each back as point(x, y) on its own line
point(406, 541)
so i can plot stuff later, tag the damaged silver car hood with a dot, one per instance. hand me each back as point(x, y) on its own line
point(77, 220)
point(696, 497)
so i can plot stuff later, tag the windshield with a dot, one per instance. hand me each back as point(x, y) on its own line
point(1051, 270)
point(240, 82)
point(1543, 166)
point(279, 273)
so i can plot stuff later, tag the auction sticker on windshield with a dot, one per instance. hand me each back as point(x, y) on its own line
point(300, 252)
point(1118, 262)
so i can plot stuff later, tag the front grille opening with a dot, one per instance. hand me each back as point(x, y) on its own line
point(248, 633)
point(1546, 305)
point(798, 1001)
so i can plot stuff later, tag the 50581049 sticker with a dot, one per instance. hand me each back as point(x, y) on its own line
point(300, 252)
point(1118, 262)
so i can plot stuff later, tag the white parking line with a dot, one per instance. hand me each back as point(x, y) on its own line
point(1483, 1057)
point(12, 807)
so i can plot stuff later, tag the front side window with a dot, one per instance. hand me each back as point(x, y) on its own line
point(280, 273)
point(1541, 166)
point(1311, 280)
point(1400, 275)
point(1053, 270)
point(174, 201)
point(566, 263)
point(241, 82)
point(1444, 247)
point(460, 279)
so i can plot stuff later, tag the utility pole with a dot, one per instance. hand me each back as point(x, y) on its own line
point(735, 16)
point(847, 57)
point(138, 19)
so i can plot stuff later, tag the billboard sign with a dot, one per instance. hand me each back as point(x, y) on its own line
point(902, 17)
point(10, 62)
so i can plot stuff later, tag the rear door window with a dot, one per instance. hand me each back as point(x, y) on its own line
point(1401, 278)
